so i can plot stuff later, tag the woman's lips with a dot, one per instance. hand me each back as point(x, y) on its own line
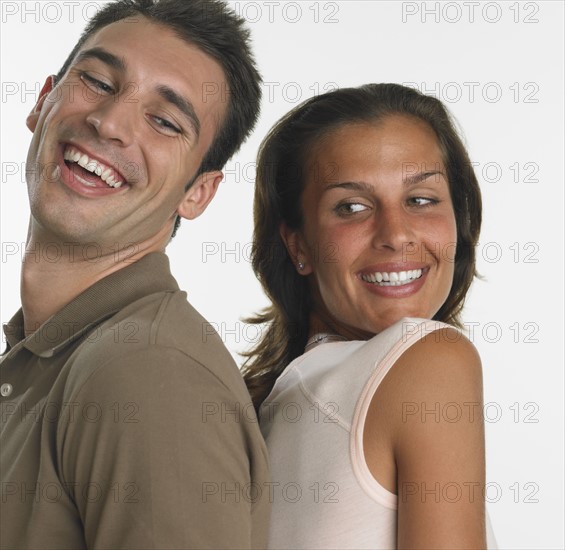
point(392, 281)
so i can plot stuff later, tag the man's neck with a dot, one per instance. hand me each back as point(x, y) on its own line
point(54, 276)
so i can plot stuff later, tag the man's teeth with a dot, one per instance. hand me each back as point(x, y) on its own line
point(392, 278)
point(92, 165)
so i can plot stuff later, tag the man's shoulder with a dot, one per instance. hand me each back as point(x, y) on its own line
point(153, 332)
point(165, 319)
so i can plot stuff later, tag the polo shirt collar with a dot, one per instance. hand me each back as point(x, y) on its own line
point(103, 299)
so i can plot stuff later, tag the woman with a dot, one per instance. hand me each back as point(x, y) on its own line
point(367, 212)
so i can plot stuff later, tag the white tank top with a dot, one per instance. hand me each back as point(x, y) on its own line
point(323, 493)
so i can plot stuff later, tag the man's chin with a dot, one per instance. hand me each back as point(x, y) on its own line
point(60, 236)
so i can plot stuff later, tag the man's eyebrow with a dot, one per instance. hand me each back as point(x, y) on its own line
point(182, 104)
point(167, 93)
point(101, 54)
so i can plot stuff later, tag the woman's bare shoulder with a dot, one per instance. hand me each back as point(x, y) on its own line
point(433, 402)
point(433, 390)
point(436, 382)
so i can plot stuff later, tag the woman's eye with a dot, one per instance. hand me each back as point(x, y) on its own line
point(166, 125)
point(96, 84)
point(349, 208)
point(421, 201)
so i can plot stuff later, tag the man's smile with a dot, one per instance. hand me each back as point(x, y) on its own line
point(95, 172)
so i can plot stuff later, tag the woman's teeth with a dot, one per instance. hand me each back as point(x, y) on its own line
point(392, 278)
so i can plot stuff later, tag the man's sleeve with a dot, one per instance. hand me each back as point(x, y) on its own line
point(154, 453)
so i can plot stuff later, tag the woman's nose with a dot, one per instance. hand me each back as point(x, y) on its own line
point(392, 230)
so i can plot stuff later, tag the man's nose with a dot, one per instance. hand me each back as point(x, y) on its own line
point(114, 120)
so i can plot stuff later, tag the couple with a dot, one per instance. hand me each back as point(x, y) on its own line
point(121, 426)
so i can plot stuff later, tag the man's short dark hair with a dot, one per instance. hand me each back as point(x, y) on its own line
point(217, 30)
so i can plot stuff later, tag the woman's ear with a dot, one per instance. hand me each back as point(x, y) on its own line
point(33, 117)
point(198, 197)
point(297, 249)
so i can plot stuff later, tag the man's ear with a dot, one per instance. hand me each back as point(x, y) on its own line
point(297, 249)
point(198, 197)
point(33, 117)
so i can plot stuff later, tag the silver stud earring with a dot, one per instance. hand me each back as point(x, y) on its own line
point(300, 266)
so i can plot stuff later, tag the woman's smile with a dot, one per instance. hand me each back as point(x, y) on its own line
point(382, 200)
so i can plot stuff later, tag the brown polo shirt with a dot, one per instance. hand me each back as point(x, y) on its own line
point(125, 423)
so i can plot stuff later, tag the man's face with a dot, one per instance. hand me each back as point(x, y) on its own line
point(119, 137)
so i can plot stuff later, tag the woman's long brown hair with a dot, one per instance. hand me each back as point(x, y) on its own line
point(280, 181)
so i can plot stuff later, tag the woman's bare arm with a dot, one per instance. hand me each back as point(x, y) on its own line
point(427, 416)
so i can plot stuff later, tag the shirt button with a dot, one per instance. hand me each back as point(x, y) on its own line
point(6, 390)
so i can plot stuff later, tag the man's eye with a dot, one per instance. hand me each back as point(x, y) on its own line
point(349, 208)
point(165, 124)
point(96, 84)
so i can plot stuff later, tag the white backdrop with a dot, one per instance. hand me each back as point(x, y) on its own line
point(499, 68)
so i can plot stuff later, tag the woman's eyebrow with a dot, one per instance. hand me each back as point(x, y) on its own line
point(351, 185)
point(413, 179)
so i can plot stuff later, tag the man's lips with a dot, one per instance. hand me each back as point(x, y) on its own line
point(84, 182)
point(103, 172)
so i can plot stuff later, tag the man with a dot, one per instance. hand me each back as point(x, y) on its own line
point(122, 427)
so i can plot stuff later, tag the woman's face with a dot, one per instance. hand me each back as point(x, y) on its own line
point(379, 234)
